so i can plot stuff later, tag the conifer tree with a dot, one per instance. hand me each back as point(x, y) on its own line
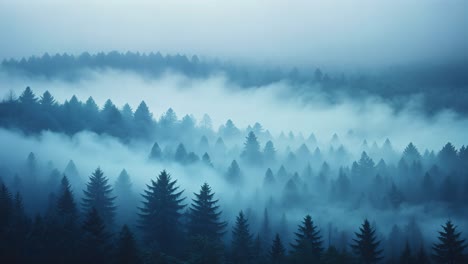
point(234, 174)
point(277, 252)
point(308, 245)
point(450, 248)
point(95, 247)
point(180, 154)
point(406, 256)
point(126, 251)
point(269, 152)
point(366, 246)
point(204, 218)
point(242, 242)
point(160, 214)
point(269, 178)
point(98, 195)
point(207, 160)
point(251, 152)
point(66, 206)
point(155, 153)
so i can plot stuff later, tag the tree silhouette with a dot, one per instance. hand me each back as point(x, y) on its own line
point(98, 195)
point(251, 152)
point(277, 252)
point(242, 242)
point(126, 251)
point(95, 247)
point(366, 245)
point(450, 247)
point(160, 214)
point(308, 245)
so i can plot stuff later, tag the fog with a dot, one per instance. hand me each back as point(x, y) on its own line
point(275, 106)
point(342, 34)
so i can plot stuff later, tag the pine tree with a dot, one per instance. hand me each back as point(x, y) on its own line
point(126, 198)
point(95, 247)
point(180, 154)
point(269, 152)
point(127, 251)
point(28, 97)
point(251, 152)
point(204, 218)
point(207, 160)
point(47, 100)
point(66, 206)
point(422, 257)
point(234, 174)
point(269, 178)
point(366, 245)
point(98, 195)
point(277, 252)
point(450, 247)
point(160, 213)
point(308, 245)
point(155, 153)
point(241, 245)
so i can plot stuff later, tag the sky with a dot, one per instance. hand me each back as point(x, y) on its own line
point(320, 33)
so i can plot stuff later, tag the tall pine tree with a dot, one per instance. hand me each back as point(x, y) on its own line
point(366, 246)
point(450, 248)
point(308, 245)
point(160, 214)
point(242, 242)
point(98, 195)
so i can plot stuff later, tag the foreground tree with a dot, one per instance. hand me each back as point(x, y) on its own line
point(366, 245)
point(242, 242)
point(450, 247)
point(308, 246)
point(160, 214)
point(98, 195)
point(126, 251)
point(95, 247)
point(277, 252)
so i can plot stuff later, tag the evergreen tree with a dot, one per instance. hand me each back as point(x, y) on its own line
point(95, 247)
point(125, 199)
point(155, 153)
point(269, 178)
point(180, 154)
point(406, 256)
point(28, 97)
point(269, 152)
point(126, 250)
point(411, 154)
point(422, 257)
point(450, 248)
point(277, 252)
point(207, 160)
point(366, 165)
point(47, 101)
point(204, 218)
point(160, 214)
point(308, 245)
point(98, 195)
point(234, 174)
point(66, 206)
point(366, 245)
point(242, 244)
point(251, 152)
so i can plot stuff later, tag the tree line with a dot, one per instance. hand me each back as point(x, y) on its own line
point(169, 230)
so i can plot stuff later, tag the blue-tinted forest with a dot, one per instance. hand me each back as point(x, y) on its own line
point(286, 198)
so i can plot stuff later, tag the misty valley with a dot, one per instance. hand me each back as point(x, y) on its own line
point(88, 182)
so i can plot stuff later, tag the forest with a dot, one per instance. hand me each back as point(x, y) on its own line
point(83, 183)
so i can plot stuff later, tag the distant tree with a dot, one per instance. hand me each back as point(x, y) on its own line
point(47, 101)
point(269, 152)
point(180, 154)
point(143, 121)
point(332, 256)
point(234, 174)
point(160, 214)
point(422, 257)
point(450, 248)
point(206, 122)
point(411, 154)
point(125, 200)
point(448, 157)
point(366, 165)
point(308, 245)
point(277, 254)
point(98, 195)
point(242, 242)
point(155, 153)
point(395, 197)
point(282, 174)
point(207, 160)
point(229, 130)
point(366, 246)
point(66, 206)
point(269, 178)
point(251, 152)
point(127, 251)
point(95, 247)
point(28, 97)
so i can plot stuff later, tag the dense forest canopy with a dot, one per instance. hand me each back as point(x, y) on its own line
point(442, 86)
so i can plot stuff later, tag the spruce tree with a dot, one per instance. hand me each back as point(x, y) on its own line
point(251, 152)
point(277, 252)
point(366, 246)
point(308, 245)
point(242, 242)
point(234, 174)
point(450, 248)
point(95, 246)
point(160, 214)
point(126, 251)
point(98, 195)
point(66, 206)
point(204, 218)
point(406, 256)
point(269, 152)
point(155, 153)
point(207, 160)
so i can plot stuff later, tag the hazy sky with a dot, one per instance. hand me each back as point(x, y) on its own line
point(285, 32)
